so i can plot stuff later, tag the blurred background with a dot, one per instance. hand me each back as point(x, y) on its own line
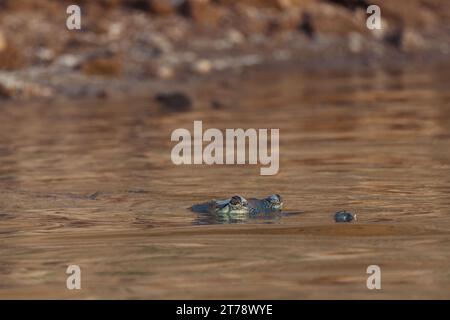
point(125, 42)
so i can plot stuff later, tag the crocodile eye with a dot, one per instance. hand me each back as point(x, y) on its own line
point(274, 198)
point(235, 200)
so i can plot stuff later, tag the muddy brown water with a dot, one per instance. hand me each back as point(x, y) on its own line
point(91, 183)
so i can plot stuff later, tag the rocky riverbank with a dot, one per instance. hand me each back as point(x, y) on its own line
point(125, 46)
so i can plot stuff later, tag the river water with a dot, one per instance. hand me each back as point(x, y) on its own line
point(91, 183)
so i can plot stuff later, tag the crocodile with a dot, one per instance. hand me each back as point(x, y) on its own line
point(239, 205)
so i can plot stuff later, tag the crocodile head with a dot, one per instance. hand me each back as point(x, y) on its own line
point(234, 205)
point(238, 204)
point(274, 201)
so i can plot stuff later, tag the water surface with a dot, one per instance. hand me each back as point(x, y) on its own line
point(91, 183)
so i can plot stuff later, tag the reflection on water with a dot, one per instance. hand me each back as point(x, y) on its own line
point(226, 218)
point(91, 183)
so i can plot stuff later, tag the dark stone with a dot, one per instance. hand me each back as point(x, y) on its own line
point(201, 11)
point(216, 104)
point(351, 4)
point(102, 94)
point(306, 25)
point(142, 5)
point(162, 7)
point(174, 101)
point(344, 216)
point(395, 38)
point(4, 92)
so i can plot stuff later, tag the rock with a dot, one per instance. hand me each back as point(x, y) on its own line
point(234, 36)
point(253, 21)
point(201, 11)
point(306, 25)
point(221, 104)
point(351, 4)
point(161, 7)
point(115, 30)
point(3, 42)
point(11, 58)
point(355, 42)
point(344, 216)
point(216, 104)
point(12, 87)
point(109, 4)
point(103, 66)
point(161, 42)
point(285, 21)
point(165, 72)
point(394, 37)
point(275, 4)
point(5, 93)
point(174, 101)
point(142, 5)
point(330, 19)
point(413, 41)
point(45, 54)
point(203, 66)
point(68, 61)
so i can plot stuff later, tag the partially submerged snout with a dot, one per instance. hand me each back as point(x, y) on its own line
point(275, 202)
point(238, 209)
point(235, 205)
point(239, 205)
